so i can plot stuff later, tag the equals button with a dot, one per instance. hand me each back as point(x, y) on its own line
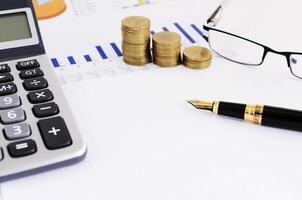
point(46, 110)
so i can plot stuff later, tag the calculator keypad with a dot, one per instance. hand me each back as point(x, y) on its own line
point(17, 131)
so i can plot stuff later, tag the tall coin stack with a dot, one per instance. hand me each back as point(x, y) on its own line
point(136, 40)
point(167, 49)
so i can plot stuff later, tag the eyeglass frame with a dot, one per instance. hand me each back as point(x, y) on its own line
point(213, 21)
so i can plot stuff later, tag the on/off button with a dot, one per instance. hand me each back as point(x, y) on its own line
point(29, 64)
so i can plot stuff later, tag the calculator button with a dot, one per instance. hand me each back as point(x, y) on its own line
point(29, 64)
point(7, 89)
point(35, 84)
point(6, 77)
point(22, 148)
point(31, 73)
point(4, 68)
point(46, 110)
point(12, 116)
point(11, 101)
point(1, 154)
point(17, 131)
point(41, 96)
point(54, 133)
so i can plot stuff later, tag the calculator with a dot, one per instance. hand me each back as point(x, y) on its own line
point(38, 131)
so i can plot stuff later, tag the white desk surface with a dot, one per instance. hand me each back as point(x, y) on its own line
point(146, 142)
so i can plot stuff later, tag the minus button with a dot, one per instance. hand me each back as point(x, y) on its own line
point(46, 110)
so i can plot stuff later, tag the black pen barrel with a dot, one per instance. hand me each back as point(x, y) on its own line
point(282, 118)
point(263, 115)
point(234, 110)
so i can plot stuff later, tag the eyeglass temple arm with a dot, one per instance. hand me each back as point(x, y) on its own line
point(217, 14)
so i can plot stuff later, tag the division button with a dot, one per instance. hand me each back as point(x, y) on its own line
point(4, 68)
point(11, 101)
point(17, 131)
point(29, 64)
point(54, 133)
point(22, 148)
point(31, 73)
point(12, 116)
point(6, 77)
point(41, 96)
point(46, 110)
point(7, 89)
point(35, 84)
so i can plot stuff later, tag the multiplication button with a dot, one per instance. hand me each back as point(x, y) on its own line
point(22, 148)
point(54, 133)
point(41, 96)
point(17, 131)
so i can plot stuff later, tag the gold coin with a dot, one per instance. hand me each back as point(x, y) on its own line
point(197, 53)
point(168, 38)
point(135, 23)
point(197, 57)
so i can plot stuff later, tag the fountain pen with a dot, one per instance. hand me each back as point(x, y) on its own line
point(260, 114)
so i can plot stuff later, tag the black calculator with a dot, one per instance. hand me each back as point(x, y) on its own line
point(38, 131)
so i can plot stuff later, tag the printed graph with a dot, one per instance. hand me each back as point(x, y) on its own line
point(106, 59)
point(46, 9)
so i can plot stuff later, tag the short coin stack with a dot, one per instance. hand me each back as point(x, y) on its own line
point(136, 40)
point(167, 49)
point(197, 57)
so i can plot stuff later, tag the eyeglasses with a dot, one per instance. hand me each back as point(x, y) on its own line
point(242, 50)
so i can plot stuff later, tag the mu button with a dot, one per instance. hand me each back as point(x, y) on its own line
point(7, 89)
point(54, 133)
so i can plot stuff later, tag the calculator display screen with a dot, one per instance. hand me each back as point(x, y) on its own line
point(14, 26)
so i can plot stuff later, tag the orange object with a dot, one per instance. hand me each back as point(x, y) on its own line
point(46, 9)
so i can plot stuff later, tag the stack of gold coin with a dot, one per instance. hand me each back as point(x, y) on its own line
point(136, 40)
point(166, 49)
point(197, 57)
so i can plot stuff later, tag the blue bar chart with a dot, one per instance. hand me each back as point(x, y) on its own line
point(104, 55)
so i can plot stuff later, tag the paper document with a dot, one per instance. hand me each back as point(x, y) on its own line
point(89, 45)
point(144, 141)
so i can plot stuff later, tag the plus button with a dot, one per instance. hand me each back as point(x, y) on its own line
point(54, 131)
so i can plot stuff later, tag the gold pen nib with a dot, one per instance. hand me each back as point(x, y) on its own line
point(201, 104)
